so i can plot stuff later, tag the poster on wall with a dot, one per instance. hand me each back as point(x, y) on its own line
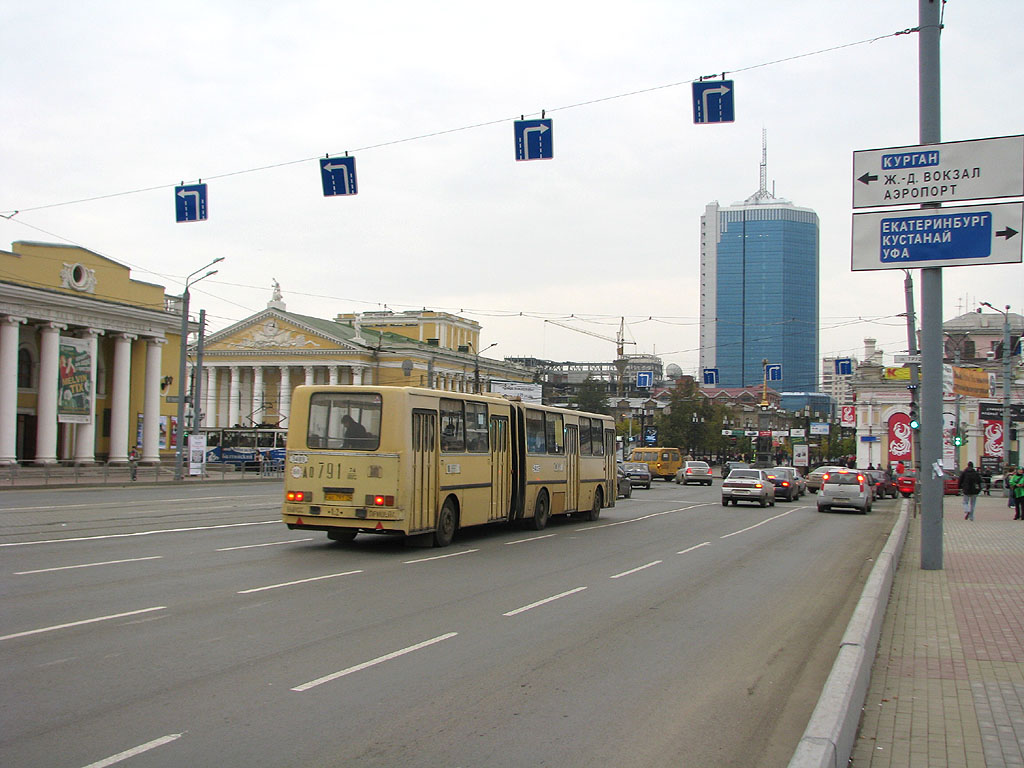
point(74, 383)
point(138, 431)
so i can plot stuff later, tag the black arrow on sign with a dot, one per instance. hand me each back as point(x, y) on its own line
point(1007, 233)
point(867, 178)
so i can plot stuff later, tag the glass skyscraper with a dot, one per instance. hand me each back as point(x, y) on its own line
point(759, 292)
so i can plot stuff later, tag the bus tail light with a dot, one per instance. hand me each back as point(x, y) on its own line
point(298, 496)
point(380, 501)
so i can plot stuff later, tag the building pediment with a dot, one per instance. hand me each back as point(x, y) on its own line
point(273, 332)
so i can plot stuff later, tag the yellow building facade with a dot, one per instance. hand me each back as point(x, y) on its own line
point(87, 358)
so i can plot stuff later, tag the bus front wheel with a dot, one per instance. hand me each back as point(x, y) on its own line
point(446, 524)
point(541, 512)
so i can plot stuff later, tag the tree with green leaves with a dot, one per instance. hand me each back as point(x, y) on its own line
point(592, 396)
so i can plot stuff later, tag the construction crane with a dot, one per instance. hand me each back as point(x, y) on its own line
point(620, 342)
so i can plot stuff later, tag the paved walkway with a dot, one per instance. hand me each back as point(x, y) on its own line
point(947, 685)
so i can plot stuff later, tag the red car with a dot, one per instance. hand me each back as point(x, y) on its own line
point(905, 484)
point(950, 484)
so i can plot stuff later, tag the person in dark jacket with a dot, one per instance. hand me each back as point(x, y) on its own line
point(970, 487)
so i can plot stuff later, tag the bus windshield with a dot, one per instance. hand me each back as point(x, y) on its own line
point(349, 420)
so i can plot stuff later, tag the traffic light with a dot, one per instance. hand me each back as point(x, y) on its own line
point(957, 440)
point(915, 420)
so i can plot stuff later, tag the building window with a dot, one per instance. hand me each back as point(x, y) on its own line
point(24, 369)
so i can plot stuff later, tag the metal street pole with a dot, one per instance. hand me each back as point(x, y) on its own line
point(929, 480)
point(476, 366)
point(1007, 374)
point(179, 456)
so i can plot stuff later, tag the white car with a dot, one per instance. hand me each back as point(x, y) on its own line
point(748, 485)
point(845, 489)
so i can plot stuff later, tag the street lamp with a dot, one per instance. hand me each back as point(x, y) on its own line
point(179, 459)
point(1006, 386)
point(476, 365)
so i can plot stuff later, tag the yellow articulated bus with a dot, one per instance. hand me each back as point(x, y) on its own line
point(662, 462)
point(423, 462)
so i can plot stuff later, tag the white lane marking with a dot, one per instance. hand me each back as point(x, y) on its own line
point(268, 544)
point(544, 601)
point(293, 583)
point(135, 750)
point(372, 662)
point(88, 565)
point(756, 525)
point(138, 533)
point(125, 504)
point(696, 546)
point(532, 538)
point(643, 517)
point(634, 570)
point(83, 621)
point(440, 557)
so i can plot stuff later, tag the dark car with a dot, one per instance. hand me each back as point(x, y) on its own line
point(882, 483)
point(638, 472)
point(785, 483)
point(625, 485)
point(729, 466)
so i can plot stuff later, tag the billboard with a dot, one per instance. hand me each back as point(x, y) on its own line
point(74, 381)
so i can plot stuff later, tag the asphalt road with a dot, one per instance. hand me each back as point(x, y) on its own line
point(173, 625)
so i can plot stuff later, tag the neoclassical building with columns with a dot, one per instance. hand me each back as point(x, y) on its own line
point(249, 369)
point(64, 305)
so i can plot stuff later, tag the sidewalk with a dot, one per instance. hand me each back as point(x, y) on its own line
point(947, 684)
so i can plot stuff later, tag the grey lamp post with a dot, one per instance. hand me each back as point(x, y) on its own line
point(476, 366)
point(1006, 387)
point(179, 458)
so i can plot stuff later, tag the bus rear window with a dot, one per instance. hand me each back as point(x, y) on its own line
point(344, 421)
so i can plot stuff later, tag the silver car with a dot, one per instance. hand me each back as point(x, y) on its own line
point(752, 485)
point(845, 489)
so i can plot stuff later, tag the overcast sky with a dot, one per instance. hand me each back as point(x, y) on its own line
point(105, 98)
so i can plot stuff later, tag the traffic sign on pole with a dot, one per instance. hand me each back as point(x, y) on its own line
point(939, 237)
point(773, 372)
point(939, 173)
point(714, 101)
point(711, 377)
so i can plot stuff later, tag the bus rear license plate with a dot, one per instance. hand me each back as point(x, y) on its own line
point(338, 496)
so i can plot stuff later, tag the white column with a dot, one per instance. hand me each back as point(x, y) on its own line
point(151, 404)
point(284, 395)
point(309, 374)
point(120, 399)
point(257, 394)
point(210, 393)
point(85, 434)
point(46, 403)
point(332, 375)
point(9, 331)
point(357, 374)
point(236, 396)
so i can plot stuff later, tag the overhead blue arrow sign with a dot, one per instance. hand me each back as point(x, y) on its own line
point(338, 175)
point(711, 377)
point(644, 379)
point(190, 203)
point(941, 237)
point(773, 372)
point(535, 139)
point(844, 366)
point(713, 101)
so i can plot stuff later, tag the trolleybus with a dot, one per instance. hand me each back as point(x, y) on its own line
point(423, 462)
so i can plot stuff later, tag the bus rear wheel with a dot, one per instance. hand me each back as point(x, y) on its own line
point(595, 510)
point(446, 524)
point(343, 535)
point(541, 512)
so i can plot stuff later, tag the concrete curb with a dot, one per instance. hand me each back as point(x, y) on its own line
point(828, 740)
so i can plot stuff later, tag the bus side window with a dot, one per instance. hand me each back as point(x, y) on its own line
point(453, 434)
point(476, 427)
point(596, 437)
point(585, 447)
point(535, 439)
point(555, 431)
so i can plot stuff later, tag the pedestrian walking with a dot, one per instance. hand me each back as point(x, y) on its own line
point(970, 487)
point(1015, 482)
point(133, 462)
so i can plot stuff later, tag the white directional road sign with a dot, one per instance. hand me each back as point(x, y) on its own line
point(938, 237)
point(939, 173)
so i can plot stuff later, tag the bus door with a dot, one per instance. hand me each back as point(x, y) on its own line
point(501, 469)
point(572, 467)
point(423, 512)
